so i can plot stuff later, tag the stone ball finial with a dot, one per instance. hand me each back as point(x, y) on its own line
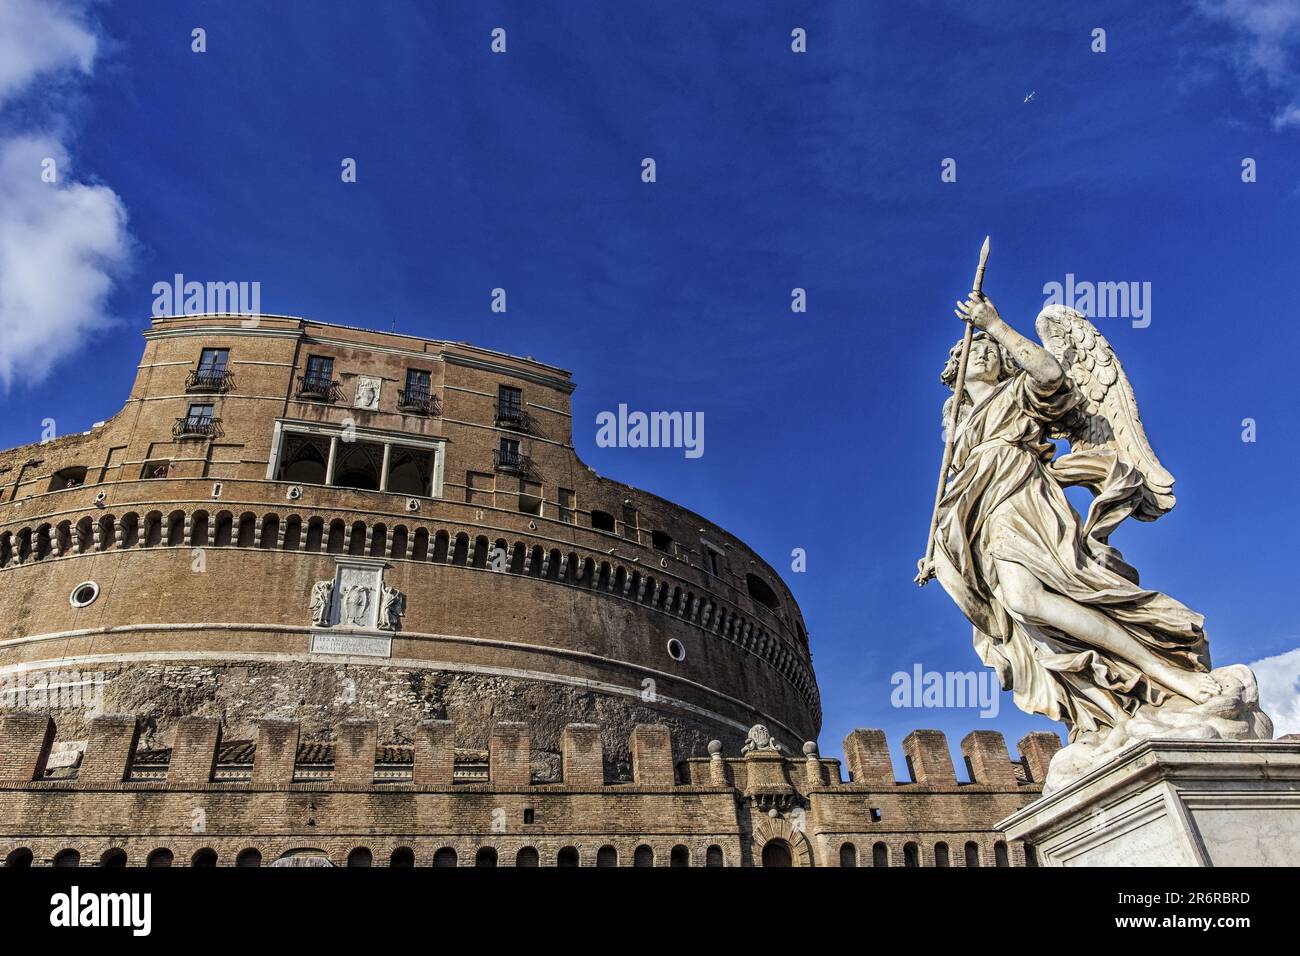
point(809, 748)
point(715, 748)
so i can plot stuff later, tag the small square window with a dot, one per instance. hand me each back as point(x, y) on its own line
point(529, 816)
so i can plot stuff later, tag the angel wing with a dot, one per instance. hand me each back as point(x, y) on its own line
point(1104, 429)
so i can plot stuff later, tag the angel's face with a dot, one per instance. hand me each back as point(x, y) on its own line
point(985, 362)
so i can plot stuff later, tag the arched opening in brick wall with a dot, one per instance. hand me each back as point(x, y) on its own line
point(486, 856)
point(445, 857)
point(113, 858)
point(527, 856)
point(1000, 855)
point(777, 854)
point(680, 856)
point(643, 856)
point(880, 855)
point(67, 858)
point(607, 856)
point(160, 857)
point(911, 854)
point(20, 858)
point(249, 857)
point(403, 856)
point(204, 857)
point(972, 853)
point(941, 855)
point(361, 856)
point(713, 856)
point(568, 856)
point(848, 855)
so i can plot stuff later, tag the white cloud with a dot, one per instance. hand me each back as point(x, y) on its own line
point(1279, 690)
point(59, 245)
point(61, 242)
point(1265, 48)
point(41, 37)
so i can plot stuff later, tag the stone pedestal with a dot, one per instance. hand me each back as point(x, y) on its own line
point(1173, 803)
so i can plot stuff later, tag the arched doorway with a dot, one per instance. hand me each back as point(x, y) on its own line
point(777, 853)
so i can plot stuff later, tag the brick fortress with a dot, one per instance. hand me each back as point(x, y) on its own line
point(360, 601)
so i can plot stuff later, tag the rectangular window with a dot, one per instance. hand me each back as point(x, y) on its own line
point(530, 497)
point(510, 402)
point(213, 360)
point(509, 449)
point(200, 413)
point(629, 523)
point(566, 505)
point(712, 561)
point(320, 368)
point(417, 383)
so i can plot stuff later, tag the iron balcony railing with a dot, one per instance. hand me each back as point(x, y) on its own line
point(201, 426)
point(319, 387)
point(512, 461)
point(418, 400)
point(513, 417)
point(208, 380)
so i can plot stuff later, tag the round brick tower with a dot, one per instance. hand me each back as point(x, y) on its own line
point(302, 520)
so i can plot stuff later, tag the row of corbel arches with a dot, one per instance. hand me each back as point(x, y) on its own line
point(315, 534)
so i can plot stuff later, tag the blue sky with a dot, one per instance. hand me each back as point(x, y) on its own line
point(775, 170)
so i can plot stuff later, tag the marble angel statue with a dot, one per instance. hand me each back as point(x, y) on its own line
point(1056, 610)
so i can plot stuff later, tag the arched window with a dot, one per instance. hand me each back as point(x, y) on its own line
point(225, 524)
point(361, 856)
point(20, 858)
point(247, 530)
point(972, 853)
point(249, 857)
point(402, 856)
point(776, 853)
point(568, 856)
point(526, 857)
point(607, 856)
point(643, 856)
point(680, 856)
point(445, 857)
point(1000, 853)
point(880, 855)
point(713, 856)
point(160, 857)
point(270, 530)
point(113, 857)
point(848, 855)
point(357, 542)
point(911, 854)
point(67, 858)
point(486, 856)
point(205, 857)
point(941, 854)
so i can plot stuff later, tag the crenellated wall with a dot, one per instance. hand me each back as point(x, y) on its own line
point(209, 800)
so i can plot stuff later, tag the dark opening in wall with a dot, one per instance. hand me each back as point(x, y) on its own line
point(602, 521)
point(662, 541)
point(762, 592)
point(68, 478)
